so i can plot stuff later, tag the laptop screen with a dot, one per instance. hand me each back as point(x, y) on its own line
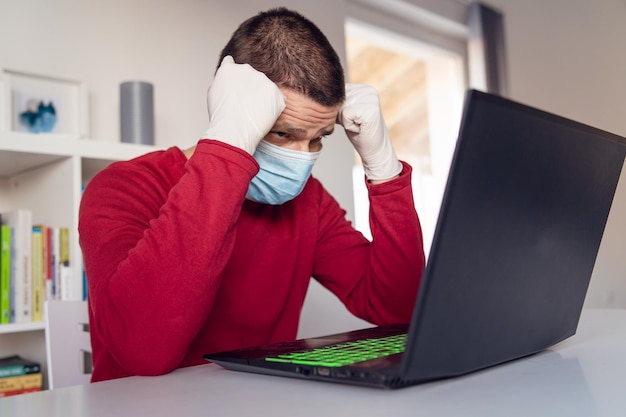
point(521, 221)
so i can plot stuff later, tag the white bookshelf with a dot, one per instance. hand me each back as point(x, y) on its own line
point(20, 327)
point(45, 173)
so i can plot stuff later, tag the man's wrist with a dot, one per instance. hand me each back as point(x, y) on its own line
point(375, 182)
point(390, 170)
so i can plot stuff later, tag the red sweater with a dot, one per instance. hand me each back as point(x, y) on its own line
point(180, 264)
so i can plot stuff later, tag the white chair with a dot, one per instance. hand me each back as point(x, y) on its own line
point(68, 347)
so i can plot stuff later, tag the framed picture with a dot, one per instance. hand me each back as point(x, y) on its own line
point(41, 104)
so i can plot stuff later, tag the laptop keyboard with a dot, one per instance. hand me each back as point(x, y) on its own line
point(345, 353)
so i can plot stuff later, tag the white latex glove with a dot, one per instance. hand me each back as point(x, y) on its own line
point(362, 119)
point(243, 105)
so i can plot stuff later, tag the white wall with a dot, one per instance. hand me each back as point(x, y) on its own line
point(565, 56)
point(569, 57)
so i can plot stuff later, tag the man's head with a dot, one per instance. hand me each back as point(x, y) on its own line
point(296, 56)
point(292, 52)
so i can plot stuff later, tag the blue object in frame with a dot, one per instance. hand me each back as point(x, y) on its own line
point(39, 117)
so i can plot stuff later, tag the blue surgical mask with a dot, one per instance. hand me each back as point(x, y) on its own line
point(283, 173)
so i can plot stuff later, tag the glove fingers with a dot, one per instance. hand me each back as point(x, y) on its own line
point(243, 105)
point(228, 59)
point(362, 119)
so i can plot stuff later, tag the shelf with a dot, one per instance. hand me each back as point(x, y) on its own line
point(15, 162)
point(44, 173)
point(21, 327)
point(22, 152)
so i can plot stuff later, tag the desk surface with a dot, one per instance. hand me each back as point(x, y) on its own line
point(582, 376)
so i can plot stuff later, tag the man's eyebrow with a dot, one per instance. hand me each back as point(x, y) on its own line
point(298, 130)
point(327, 131)
point(294, 129)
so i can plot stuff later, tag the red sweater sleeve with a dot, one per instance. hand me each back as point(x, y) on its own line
point(377, 281)
point(129, 260)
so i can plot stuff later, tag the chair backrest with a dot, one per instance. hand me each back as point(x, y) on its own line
point(68, 347)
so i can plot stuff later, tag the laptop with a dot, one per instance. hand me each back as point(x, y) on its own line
point(523, 214)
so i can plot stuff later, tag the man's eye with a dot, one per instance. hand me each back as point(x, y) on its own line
point(280, 134)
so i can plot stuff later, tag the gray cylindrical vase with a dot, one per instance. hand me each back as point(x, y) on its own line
point(137, 112)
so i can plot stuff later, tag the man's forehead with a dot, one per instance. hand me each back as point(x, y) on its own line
point(301, 110)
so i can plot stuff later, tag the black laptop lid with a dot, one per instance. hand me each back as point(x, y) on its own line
point(521, 221)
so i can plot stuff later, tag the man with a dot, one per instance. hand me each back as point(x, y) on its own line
point(212, 248)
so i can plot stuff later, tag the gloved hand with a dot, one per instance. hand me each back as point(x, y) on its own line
point(243, 105)
point(362, 119)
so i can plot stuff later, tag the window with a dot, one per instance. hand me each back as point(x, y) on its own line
point(421, 88)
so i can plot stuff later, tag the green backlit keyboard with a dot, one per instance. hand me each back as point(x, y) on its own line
point(345, 353)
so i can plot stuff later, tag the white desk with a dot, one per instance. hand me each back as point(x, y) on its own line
point(583, 376)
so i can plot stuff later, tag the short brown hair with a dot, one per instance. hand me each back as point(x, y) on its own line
point(292, 52)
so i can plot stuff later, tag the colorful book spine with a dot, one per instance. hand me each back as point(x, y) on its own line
point(19, 376)
point(16, 366)
point(48, 268)
point(38, 290)
point(18, 392)
point(13, 283)
point(65, 273)
point(5, 274)
point(21, 382)
point(22, 223)
point(56, 257)
point(38, 267)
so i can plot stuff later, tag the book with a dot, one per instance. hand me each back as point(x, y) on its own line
point(21, 391)
point(5, 274)
point(13, 274)
point(55, 260)
point(65, 273)
point(48, 244)
point(37, 268)
point(21, 382)
point(22, 222)
point(16, 365)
